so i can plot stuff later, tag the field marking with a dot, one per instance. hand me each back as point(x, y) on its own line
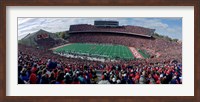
point(127, 55)
point(130, 53)
point(110, 51)
point(97, 52)
point(60, 46)
point(136, 53)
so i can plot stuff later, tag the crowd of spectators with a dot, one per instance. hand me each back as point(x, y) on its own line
point(49, 42)
point(40, 66)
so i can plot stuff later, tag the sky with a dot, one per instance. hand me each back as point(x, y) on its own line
point(170, 26)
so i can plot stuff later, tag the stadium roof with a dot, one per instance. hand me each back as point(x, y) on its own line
point(37, 32)
point(109, 32)
point(131, 30)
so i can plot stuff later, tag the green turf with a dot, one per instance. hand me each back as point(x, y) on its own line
point(101, 50)
point(144, 53)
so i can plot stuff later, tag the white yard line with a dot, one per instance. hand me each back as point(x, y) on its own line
point(99, 50)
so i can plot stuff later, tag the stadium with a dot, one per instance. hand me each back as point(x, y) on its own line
point(100, 53)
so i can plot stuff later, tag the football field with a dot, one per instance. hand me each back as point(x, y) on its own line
point(100, 50)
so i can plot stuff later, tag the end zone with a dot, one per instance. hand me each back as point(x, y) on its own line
point(136, 53)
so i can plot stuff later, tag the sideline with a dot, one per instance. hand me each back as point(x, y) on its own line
point(60, 46)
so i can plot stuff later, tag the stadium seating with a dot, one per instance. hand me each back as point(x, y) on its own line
point(133, 30)
point(43, 66)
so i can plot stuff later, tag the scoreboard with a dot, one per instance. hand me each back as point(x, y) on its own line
point(106, 23)
point(42, 36)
